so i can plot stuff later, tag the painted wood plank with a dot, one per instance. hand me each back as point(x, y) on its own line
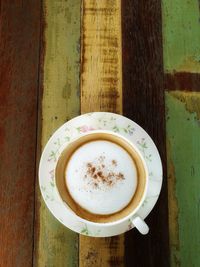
point(183, 81)
point(183, 146)
point(181, 35)
point(143, 102)
point(19, 61)
point(101, 80)
point(55, 245)
point(101, 90)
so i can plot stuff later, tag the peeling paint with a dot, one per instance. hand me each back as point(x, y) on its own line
point(173, 208)
point(191, 101)
point(183, 135)
point(181, 35)
point(101, 54)
point(56, 245)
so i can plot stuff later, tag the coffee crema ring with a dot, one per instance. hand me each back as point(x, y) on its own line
point(98, 178)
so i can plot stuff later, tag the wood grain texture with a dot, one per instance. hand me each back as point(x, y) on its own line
point(101, 80)
point(19, 61)
point(55, 245)
point(181, 44)
point(183, 81)
point(183, 146)
point(101, 90)
point(181, 35)
point(143, 102)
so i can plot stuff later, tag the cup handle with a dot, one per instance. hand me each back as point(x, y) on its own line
point(141, 226)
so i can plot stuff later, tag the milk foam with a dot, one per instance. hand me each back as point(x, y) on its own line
point(101, 177)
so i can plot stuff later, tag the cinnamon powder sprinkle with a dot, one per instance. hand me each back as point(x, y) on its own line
point(93, 169)
point(114, 162)
point(89, 165)
point(120, 176)
point(100, 174)
point(95, 184)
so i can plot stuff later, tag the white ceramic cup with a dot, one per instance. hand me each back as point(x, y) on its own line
point(136, 220)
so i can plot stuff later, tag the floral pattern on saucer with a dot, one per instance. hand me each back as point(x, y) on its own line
point(73, 129)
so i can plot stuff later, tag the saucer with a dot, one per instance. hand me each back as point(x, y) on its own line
point(75, 128)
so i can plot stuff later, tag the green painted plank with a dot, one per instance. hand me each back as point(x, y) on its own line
point(55, 245)
point(183, 147)
point(181, 35)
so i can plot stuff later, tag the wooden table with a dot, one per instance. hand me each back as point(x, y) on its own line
point(59, 59)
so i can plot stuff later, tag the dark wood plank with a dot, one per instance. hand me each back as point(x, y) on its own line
point(183, 81)
point(143, 101)
point(19, 57)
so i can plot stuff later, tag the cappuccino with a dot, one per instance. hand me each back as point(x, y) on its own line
point(101, 177)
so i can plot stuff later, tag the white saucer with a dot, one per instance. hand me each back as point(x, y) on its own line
point(73, 129)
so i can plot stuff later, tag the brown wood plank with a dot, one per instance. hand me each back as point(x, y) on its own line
point(101, 90)
point(19, 57)
point(143, 101)
point(183, 81)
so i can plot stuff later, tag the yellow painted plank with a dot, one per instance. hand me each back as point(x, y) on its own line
point(101, 90)
point(101, 57)
point(55, 245)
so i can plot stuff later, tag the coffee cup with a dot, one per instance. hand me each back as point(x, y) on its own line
point(102, 178)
